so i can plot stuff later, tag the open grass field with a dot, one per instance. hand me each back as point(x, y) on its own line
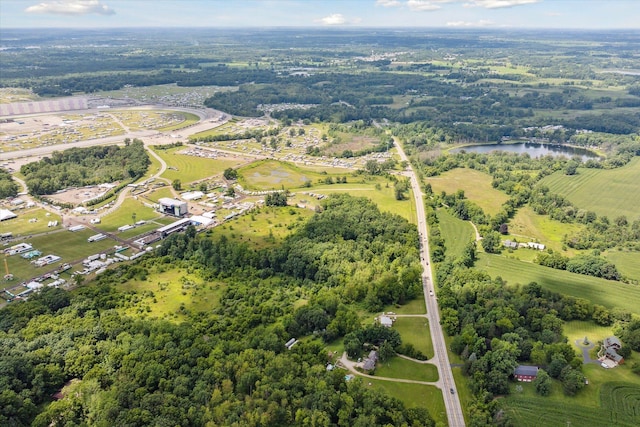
point(170, 295)
point(456, 233)
point(611, 192)
point(384, 197)
point(24, 225)
point(191, 168)
point(274, 175)
point(628, 262)
point(14, 94)
point(608, 293)
point(475, 184)
point(415, 331)
point(414, 396)
point(70, 246)
point(265, 226)
point(154, 195)
point(415, 306)
point(527, 226)
point(125, 215)
point(578, 329)
point(397, 367)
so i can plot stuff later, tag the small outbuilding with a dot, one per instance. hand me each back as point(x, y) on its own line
point(526, 373)
point(386, 321)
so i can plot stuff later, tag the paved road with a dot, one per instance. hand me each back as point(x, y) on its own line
point(441, 358)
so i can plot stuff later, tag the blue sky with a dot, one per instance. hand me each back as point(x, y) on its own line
point(589, 14)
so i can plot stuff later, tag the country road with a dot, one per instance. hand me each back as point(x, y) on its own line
point(441, 359)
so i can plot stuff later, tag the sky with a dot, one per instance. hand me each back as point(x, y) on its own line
point(559, 14)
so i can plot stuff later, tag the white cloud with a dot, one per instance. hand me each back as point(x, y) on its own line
point(333, 19)
point(420, 5)
point(388, 3)
point(497, 4)
point(466, 24)
point(71, 7)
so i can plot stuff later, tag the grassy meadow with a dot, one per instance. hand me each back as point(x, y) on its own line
point(608, 293)
point(456, 233)
point(415, 331)
point(627, 262)
point(413, 396)
point(170, 295)
point(475, 184)
point(125, 215)
point(612, 192)
point(191, 168)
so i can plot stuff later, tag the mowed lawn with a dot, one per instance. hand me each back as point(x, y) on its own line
point(413, 396)
point(188, 168)
point(30, 221)
point(455, 232)
point(415, 331)
point(170, 295)
point(608, 293)
point(475, 184)
point(398, 367)
point(125, 215)
point(628, 263)
point(611, 192)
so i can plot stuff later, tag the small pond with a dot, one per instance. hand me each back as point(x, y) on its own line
point(531, 148)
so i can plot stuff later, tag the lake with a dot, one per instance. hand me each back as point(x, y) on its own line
point(533, 149)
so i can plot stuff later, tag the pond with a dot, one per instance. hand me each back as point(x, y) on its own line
point(531, 148)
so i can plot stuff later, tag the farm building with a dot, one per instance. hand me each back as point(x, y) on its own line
point(6, 214)
point(526, 373)
point(172, 207)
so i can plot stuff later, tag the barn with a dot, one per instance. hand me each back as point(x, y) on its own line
point(526, 373)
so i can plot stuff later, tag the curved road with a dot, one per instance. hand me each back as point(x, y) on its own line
point(441, 358)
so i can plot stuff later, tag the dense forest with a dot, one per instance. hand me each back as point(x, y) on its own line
point(8, 187)
point(78, 167)
point(225, 367)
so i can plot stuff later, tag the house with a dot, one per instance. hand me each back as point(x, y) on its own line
point(386, 321)
point(510, 244)
point(526, 373)
point(611, 346)
point(369, 364)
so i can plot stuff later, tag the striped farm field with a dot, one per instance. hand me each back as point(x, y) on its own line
point(455, 232)
point(475, 184)
point(622, 402)
point(627, 262)
point(612, 192)
point(608, 293)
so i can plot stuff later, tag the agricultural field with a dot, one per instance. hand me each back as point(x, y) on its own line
point(398, 367)
point(608, 293)
point(627, 262)
point(413, 396)
point(616, 189)
point(455, 232)
point(170, 295)
point(415, 331)
point(475, 184)
point(188, 168)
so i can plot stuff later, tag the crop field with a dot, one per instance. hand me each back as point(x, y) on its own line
point(188, 168)
point(628, 262)
point(170, 295)
point(413, 396)
point(265, 226)
point(398, 367)
point(616, 189)
point(129, 212)
point(527, 226)
point(456, 233)
point(475, 184)
point(415, 331)
point(608, 293)
point(24, 224)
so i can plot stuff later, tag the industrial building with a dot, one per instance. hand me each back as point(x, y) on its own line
point(172, 207)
